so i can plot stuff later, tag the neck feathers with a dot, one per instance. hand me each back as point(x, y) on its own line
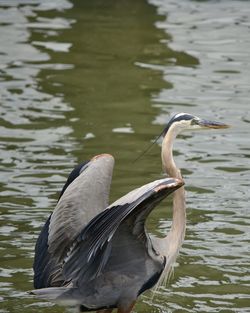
point(173, 241)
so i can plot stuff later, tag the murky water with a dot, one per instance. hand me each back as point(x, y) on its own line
point(82, 78)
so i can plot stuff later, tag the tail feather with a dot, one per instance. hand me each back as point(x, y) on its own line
point(60, 295)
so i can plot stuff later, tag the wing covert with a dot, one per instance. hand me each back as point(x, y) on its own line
point(83, 199)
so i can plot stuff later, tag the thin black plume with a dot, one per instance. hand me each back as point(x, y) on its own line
point(149, 147)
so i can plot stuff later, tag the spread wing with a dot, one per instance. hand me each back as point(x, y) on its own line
point(84, 196)
point(91, 250)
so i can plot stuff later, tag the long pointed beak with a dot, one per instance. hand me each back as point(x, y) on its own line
point(210, 124)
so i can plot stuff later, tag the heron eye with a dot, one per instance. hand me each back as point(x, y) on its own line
point(194, 121)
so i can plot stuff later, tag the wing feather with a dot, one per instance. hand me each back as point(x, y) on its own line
point(84, 195)
point(89, 254)
point(84, 198)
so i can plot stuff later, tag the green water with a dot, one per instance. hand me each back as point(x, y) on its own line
point(80, 78)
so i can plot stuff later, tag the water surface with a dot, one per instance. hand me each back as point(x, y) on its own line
point(83, 78)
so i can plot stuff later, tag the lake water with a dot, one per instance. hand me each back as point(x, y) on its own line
point(79, 78)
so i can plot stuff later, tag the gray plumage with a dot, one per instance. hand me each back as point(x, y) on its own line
point(97, 256)
point(78, 205)
point(96, 274)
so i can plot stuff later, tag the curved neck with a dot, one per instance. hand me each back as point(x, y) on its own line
point(177, 232)
point(168, 163)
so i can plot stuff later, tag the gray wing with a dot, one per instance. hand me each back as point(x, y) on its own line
point(42, 261)
point(84, 195)
point(91, 251)
point(84, 198)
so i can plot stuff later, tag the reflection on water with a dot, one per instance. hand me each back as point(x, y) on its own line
point(80, 78)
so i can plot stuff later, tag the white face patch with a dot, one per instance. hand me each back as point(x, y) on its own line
point(179, 126)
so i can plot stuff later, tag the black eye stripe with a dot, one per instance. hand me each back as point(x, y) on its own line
point(185, 117)
point(175, 118)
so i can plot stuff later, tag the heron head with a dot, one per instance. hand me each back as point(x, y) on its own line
point(184, 121)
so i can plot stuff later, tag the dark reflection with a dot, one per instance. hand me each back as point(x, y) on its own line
point(108, 87)
point(105, 87)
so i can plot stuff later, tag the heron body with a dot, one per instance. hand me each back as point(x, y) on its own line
point(98, 256)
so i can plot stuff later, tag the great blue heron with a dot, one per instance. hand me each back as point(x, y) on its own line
point(101, 257)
